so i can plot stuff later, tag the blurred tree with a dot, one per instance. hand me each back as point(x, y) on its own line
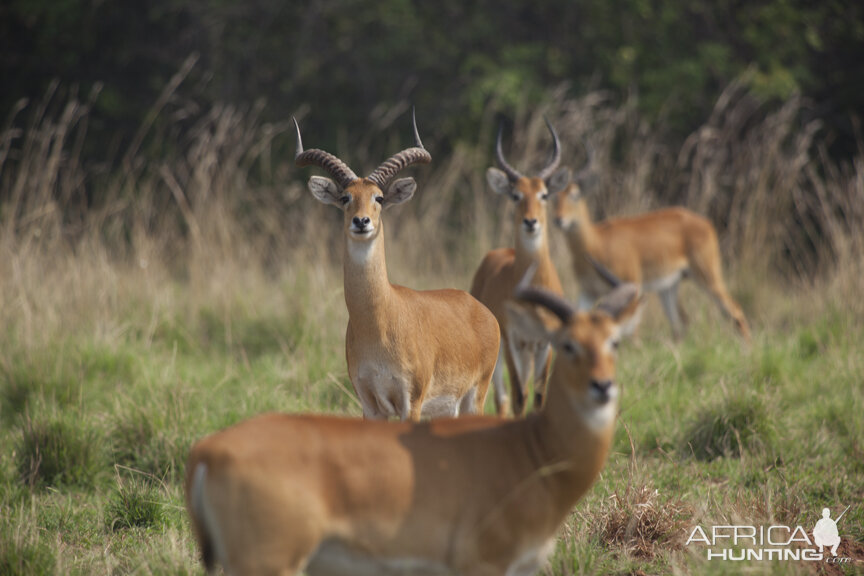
point(351, 63)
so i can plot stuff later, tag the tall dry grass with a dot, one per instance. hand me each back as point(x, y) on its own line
point(217, 213)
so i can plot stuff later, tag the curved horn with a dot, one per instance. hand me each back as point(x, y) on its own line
point(382, 175)
point(314, 157)
point(511, 172)
point(556, 153)
point(604, 272)
point(534, 295)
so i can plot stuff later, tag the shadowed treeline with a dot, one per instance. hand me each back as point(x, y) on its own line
point(352, 62)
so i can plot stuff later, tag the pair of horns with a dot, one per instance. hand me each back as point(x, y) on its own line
point(620, 296)
point(547, 171)
point(381, 176)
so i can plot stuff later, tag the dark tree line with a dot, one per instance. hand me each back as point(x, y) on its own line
point(347, 61)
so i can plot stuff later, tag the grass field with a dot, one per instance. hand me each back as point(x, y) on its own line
point(134, 329)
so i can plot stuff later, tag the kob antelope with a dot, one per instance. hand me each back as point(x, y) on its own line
point(501, 269)
point(410, 353)
point(477, 496)
point(655, 250)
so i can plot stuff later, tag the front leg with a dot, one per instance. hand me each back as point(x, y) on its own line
point(502, 396)
point(369, 403)
point(542, 365)
point(519, 364)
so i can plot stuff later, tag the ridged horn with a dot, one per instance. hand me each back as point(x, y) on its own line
point(511, 172)
point(382, 175)
point(552, 165)
point(542, 297)
point(315, 157)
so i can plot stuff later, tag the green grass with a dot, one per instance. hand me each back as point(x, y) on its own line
point(710, 432)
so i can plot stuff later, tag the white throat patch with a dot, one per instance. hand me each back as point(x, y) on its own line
point(598, 418)
point(531, 242)
point(360, 252)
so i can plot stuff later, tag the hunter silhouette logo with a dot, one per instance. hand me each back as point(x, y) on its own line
point(825, 532)
point(776, 542)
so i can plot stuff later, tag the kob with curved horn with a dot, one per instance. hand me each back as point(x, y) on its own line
point(409, 353)
point(526, 358)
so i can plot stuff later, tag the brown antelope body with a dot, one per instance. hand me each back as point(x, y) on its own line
point(476, 496)
point(655, 251)
point(410, 353)
point(501, 269)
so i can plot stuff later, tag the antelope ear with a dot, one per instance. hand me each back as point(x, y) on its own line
point(499, 182)
point(527, 322)
point(325, 190)
point(558, 180)
point(621, 303)
point(400, 191)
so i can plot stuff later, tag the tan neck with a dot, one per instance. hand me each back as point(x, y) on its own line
point(566, 455)
point(574, 447)
point(538, 253)
point(582, 236)
point(367, 288)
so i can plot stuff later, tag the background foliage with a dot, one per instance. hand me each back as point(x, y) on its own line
point(349, 63)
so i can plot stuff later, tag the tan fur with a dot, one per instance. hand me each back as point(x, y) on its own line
point(645, 250)
point(497, 276)
point(406, 348)
point(474, 496)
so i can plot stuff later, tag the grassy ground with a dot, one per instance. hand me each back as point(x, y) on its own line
point(196, 292)
point(97, 419)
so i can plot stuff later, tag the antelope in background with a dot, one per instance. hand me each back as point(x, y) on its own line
point(654, 250)
point(502, 268)
point(478, 496)
point(410, 353)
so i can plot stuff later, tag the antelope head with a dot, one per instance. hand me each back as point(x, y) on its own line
point(362, 199)
point(570, 210)
point(586, 342)
point(529, 192)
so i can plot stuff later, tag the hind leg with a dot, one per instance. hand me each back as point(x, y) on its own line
point(682, 314)
point(671, 306)
point(730, 308)
point(707, 272)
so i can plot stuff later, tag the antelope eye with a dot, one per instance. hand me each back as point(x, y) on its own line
point(345, 199)
point(615, 344)
point(569, 347)
point(514, 197)
point(544, 196)
point(379, 199)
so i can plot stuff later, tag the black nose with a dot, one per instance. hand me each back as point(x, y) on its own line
point(361, 222)
point(602, 387)
point(530, 223)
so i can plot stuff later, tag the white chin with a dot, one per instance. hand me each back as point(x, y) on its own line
point(532, 239)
